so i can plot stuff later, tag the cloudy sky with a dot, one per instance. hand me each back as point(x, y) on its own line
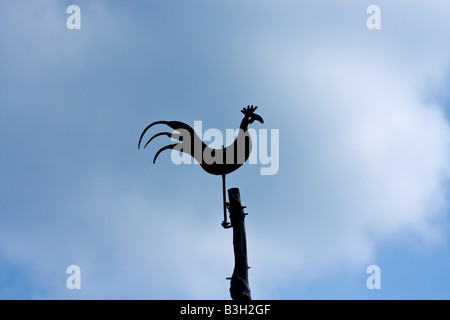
point(364, 148)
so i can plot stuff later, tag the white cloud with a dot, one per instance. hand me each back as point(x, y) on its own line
point(370, 160)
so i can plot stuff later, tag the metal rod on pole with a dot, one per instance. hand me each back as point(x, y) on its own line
point(225, 223)
point(224, 199)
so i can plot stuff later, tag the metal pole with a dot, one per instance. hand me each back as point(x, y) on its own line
point(239, 286)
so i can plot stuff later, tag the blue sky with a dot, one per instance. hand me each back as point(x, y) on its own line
point(364, 148)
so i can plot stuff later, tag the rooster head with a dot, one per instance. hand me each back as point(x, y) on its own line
point(250, 114)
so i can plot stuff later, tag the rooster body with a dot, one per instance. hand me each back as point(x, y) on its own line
point(214, 161)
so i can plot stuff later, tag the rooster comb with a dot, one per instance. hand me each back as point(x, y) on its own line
point(249, 110)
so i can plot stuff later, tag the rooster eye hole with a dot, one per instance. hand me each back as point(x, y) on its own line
point(180, 138)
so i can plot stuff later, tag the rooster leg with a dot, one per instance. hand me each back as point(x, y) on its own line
point(171, 135)
point(170, 146)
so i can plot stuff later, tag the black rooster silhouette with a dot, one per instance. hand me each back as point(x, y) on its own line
point(214, 161)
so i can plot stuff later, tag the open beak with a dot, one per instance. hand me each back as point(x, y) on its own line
point(258, 118)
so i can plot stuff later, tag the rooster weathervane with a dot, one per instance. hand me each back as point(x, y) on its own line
point(230, 158)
